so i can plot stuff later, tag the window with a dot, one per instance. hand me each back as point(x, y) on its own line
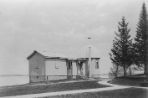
point(97, 65)
point(56, 66)
point(36, 67)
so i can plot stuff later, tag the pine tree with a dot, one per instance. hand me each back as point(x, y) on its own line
point(140, 40)
point(121, 53)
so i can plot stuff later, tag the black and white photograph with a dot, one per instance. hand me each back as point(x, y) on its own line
point(73, 48)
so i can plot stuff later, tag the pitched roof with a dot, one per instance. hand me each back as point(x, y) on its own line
point(49, 55)
point(33, 53)
point(46, 55)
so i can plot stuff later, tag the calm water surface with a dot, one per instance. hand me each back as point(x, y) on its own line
point(7, 80)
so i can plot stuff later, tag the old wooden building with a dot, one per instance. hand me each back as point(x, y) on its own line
point(46, 68)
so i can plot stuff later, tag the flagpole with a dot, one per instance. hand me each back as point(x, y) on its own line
point(89, 57)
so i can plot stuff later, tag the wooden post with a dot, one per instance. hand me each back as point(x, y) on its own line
point(86, 69)
point(78, 70)
point(68, 69)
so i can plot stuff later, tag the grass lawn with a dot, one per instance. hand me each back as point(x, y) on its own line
point(123, 93)
point(130, 80)
point(34, 89)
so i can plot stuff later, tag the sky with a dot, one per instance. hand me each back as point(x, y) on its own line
point(61, 27)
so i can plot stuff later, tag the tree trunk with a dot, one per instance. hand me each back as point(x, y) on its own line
point(130, 71)
point(146, 64)
point(124, 68)
point(145, 69)
point(116, 71)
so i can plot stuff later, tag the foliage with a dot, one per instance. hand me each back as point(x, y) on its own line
point(140, 39)
point(121, 53)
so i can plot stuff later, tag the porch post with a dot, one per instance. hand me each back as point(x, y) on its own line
point(78, 69)
point(69, 69)
point(86, 69)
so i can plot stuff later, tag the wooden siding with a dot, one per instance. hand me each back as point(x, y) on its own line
point(36, 68)
point(55, 69)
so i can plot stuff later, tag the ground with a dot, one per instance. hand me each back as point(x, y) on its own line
point(133, 90)
point(135, 80)
point(42, 88)
point(123, 93)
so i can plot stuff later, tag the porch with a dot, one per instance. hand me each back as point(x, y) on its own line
point(77, 69)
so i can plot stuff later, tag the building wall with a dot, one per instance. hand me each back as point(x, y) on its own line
point(56, 69)
point(36, 68)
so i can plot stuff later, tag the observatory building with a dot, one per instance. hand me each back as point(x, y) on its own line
point(43, 67)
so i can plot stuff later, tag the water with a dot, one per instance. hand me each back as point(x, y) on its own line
point(8, 80)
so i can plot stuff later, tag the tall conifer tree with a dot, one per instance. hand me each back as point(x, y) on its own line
point(140, 40)
point(121, 53)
